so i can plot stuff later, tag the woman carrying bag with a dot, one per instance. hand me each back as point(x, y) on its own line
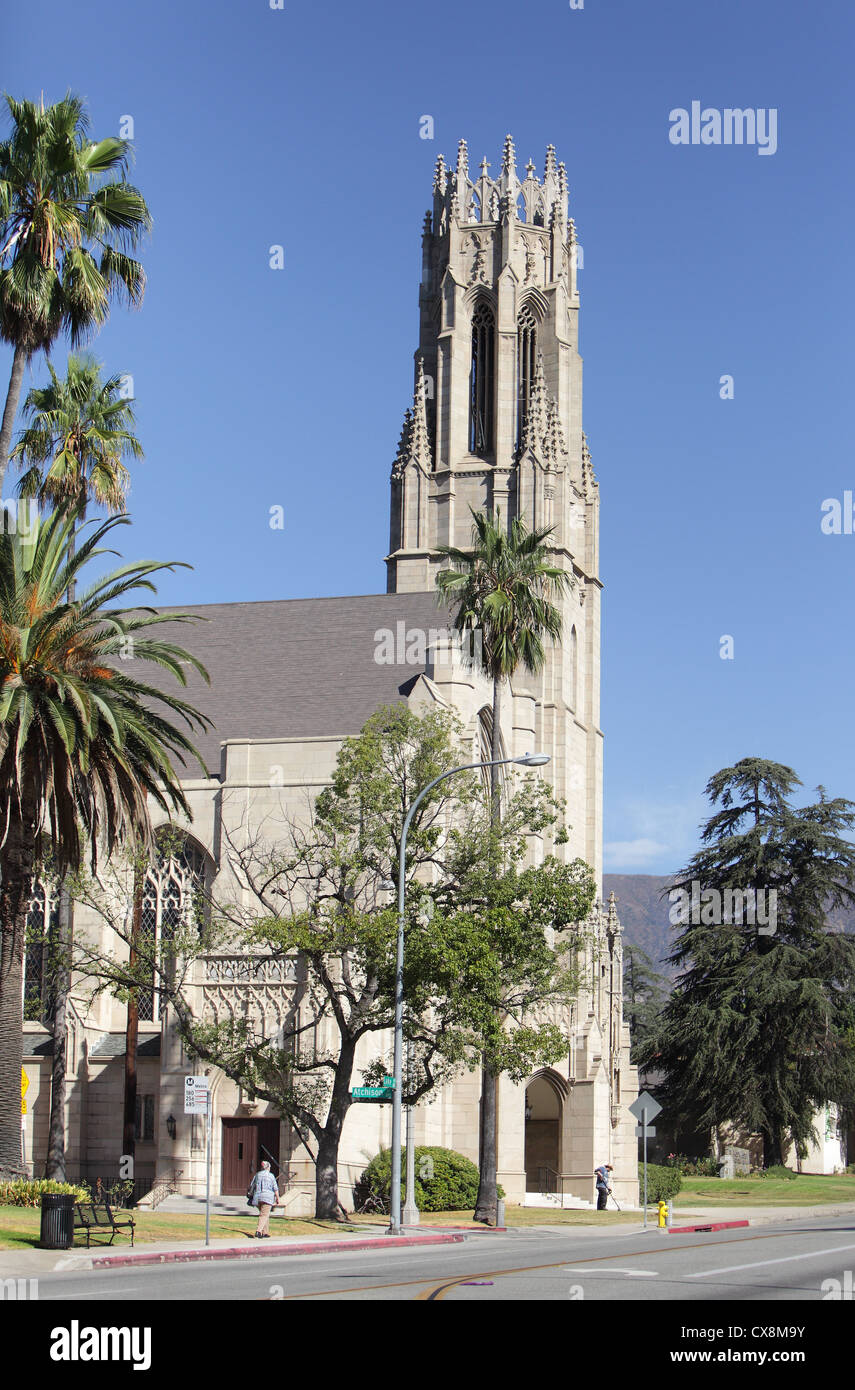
point(263, 1193)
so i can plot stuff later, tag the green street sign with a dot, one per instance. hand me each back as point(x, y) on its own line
point(378, 1093)
point(389, 1081)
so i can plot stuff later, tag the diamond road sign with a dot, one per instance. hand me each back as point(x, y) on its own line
point(645, 1102)
point(372, 1093)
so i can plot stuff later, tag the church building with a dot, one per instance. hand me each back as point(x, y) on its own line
point(495, 423)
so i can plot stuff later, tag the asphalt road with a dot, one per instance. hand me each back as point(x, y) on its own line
point(770, 1263)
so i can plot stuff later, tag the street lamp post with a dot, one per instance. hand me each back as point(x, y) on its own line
point(528, 760)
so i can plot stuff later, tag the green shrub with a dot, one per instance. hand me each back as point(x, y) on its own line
point(445, 1180)
point(24, 1193)
point(694, 1167)
point(778, 1170)
point(662, 1183)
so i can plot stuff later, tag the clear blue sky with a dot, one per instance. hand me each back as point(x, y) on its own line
point(301, 127)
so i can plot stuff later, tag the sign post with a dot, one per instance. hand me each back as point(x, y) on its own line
point(197, 1101)
point(381, 1094)
point(25, 1086)
point(645, 1109)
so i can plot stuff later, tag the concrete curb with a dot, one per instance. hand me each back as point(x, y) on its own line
point(711, 1226)
point(238, 1252)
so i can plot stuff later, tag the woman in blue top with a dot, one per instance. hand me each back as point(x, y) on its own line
point(264, 1194)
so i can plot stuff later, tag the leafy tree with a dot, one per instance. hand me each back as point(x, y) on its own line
point(67, 226)
point(644, 995)
point(79, 432)
point(310, 895)
point(758, 1027)
point(502, 588)
point(83, 744)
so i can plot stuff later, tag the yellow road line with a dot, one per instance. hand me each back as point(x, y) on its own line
point(434, 1292)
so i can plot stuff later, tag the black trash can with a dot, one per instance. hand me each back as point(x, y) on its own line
point(57, 1228)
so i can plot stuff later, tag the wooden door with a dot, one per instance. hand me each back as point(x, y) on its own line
point(245, 1144)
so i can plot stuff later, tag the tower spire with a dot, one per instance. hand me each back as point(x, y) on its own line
point(440, 175)
point(509, 158)
point(420, 443)
point(537, 415)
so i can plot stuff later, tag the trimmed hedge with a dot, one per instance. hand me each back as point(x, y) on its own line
point(662, 1183)
point(779, 1170)
point(445, 1180)
point(24, 1193)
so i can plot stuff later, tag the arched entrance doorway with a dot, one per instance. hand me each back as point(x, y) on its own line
point(543, 1103)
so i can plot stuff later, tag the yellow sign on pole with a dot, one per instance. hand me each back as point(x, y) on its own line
point(25, 1086)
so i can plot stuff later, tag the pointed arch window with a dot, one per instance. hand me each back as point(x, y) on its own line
point(574, 670)
point(482, 380)
point(526, 359)
point(42, 923)
point(173, 897)
point(484, 750)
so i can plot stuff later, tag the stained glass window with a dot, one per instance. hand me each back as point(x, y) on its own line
point(482, 381)
point(41, 922)
point(172, 898)
point(526, 359)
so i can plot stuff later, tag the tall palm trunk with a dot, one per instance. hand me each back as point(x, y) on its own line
point(60, 977)
point(10, 410)
point(486, 1210)
point(59, 957)
point(129, 1126)
point(15, 889)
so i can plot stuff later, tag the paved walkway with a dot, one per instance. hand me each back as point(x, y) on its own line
point(23, 1263)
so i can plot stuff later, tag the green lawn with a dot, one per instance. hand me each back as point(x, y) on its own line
point(19, 1228)
point(519, 1216)
point(804, 1190)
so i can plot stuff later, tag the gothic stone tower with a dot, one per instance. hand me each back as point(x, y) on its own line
point(497, 423)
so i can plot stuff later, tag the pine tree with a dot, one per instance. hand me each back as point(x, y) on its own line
point(758, 1030)
point(644, 995)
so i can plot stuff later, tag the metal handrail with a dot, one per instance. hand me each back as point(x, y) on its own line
point(548, 1180)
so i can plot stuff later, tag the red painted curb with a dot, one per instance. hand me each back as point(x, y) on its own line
point(321, 1247)
point(716, 1226)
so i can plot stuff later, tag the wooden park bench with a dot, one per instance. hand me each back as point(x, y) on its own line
point(98, 1216)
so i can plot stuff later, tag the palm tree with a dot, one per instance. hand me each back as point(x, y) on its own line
point(502, 589)
point(79, 433)
point(73, 448)
point(84, 745)
point(67, 224)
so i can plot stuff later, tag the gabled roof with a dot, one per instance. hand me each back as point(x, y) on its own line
point(295, 668)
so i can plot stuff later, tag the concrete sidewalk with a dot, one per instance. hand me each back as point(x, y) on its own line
point(759, 1216)
point(31, 1262)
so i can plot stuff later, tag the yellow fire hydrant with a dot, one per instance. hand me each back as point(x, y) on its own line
point(663, 1213)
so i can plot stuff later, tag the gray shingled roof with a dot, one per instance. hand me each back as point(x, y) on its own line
point(294, 668)
point(113, 1045)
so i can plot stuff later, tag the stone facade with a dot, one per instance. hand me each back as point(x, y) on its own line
point(496, 422)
